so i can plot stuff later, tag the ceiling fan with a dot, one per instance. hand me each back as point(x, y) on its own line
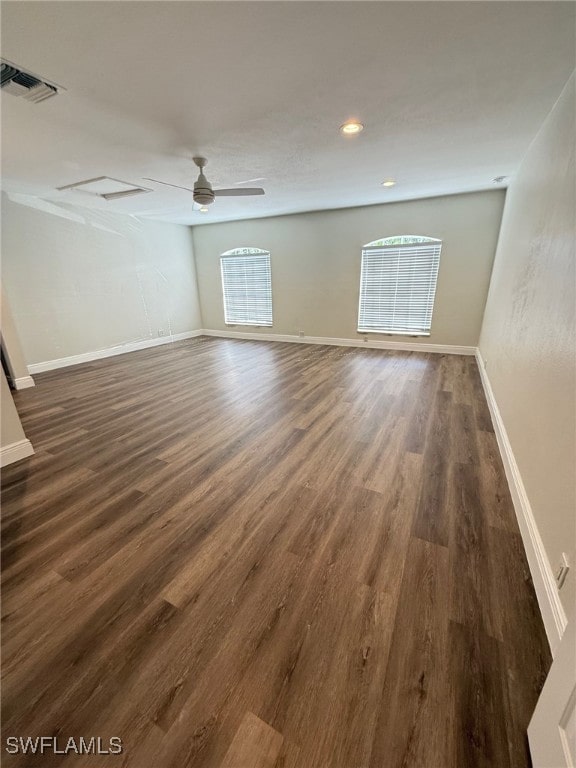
point(203, 193)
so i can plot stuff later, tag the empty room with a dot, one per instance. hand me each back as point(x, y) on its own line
point(288, 424)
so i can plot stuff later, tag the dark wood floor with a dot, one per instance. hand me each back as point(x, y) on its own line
point(237, 554)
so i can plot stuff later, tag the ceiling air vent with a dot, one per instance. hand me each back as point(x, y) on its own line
point(20, 83)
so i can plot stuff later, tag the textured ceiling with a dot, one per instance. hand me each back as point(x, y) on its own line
point(451, 94)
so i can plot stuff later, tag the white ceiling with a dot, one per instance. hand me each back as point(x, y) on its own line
point(451, 94)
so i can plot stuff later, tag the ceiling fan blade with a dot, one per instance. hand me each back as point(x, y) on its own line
point(239, 192)
point(167, 184)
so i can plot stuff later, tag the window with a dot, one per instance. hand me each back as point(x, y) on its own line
point(246, 286)
point(398, 285)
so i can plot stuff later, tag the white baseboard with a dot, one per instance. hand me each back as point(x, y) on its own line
point(15, 451)
point(551, 607)
point(23, 382)
point(86, 357)
point(406, 346)
point(131, 346)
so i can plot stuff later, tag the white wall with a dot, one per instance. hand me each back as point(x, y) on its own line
point(80, 281)
point(315, 260)
point(528, 336)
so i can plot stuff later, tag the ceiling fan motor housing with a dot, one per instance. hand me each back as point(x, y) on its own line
point(203, 192)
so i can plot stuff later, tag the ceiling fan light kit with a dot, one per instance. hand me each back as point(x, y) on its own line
point(203, 192)
point(351, 128)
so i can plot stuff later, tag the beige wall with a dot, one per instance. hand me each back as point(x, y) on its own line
point(80, 281)
point(10, 427)
point(528, 336)
point(315, 261)
point(11, 342)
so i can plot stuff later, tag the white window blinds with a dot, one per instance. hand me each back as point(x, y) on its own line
point(398, 285)
point(247, 287)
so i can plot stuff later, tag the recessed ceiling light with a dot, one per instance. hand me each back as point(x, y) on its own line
point(203, 209)
point(351, 127)
point(388, 183)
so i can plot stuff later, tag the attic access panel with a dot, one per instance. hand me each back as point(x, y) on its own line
point(106, 187)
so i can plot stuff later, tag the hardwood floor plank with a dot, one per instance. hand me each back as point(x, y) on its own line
point(525, 656)
point(476, 671)
point(432, 517)
point(419, 393)
point(384, 556)
point(256, 745)
point(494, 488)
point(463, 435)
point(413, 726)
point(288, 756)
point(481, 410)
point(472, 588)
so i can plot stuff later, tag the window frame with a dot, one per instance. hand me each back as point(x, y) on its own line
point(228, 308)
point(408, 242)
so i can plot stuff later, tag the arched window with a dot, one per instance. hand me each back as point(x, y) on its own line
point(246, 286)
point(398, 285)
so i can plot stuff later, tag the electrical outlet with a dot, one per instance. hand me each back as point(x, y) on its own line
point(562, 570)
point(366, 339)
point(161, 332)
point(301, 334)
